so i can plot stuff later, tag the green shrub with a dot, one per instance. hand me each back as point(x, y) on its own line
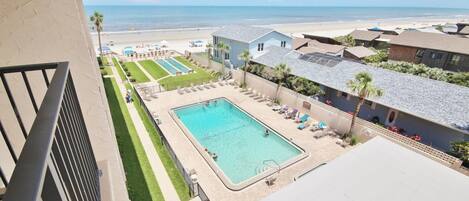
point(129, 74)
point(354, 140)
point(461, 150)
point(346, 40)
point(458, 78)
point(104, 72)
point(100, 61)
point(381, 56)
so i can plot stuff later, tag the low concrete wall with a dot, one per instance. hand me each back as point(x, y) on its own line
point(340, 120)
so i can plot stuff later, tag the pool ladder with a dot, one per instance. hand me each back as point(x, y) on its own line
point(268, 164)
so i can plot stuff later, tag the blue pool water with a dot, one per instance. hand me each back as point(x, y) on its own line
point(172, 66)
point(237, 139)
point(178, 65)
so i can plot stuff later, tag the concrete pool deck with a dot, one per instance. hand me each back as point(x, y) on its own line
point(319, 150)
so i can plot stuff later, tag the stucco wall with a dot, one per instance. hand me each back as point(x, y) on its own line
point(41, 31)
point(402, 53)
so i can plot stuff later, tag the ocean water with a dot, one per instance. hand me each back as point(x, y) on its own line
point(239, 141)
point(125, 18)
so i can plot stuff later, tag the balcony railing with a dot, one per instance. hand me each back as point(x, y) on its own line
point(56, 160)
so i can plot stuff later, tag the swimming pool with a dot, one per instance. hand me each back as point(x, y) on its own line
point(173, 66)
point(243, 149)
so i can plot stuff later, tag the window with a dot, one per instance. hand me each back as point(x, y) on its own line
point(260, 47)
point(420, 53)
point(283, 44)
point(215, 40)
point(227, 55)
point(435, 55)
point(216, 53)
point(455, 59)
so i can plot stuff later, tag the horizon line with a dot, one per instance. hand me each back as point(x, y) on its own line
point(292, 6)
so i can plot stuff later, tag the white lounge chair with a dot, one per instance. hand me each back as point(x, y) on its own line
point(180, 91)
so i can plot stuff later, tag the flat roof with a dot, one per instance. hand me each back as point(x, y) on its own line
point(378, 170)
point(435, 41)
point(440, 102)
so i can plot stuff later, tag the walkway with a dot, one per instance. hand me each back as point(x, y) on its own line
point(167, 188)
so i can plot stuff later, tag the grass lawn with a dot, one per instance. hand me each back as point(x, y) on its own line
point(176, 178)
point(136, 73)
point(141, 182)
point(155, 70)
point(200, 76)
point(107, 69)
point(119, 69)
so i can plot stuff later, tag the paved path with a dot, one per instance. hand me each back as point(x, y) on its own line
point(145, 72)
point(167, 188)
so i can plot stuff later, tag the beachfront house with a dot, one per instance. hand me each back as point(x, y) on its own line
point(435, 50)
point(437, 111)
point(240, 38)
point(375, 39)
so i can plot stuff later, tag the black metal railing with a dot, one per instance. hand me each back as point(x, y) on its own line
point(56, 160)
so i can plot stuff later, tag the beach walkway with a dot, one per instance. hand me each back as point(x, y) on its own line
point(162, 177)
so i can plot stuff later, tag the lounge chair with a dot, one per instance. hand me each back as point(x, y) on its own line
point(303, 118)
point(213, 85)
point(193, 88)
point(283, 109)
point(249, 91)
point(319, 126)
point(154, 95)
point(180, 91)
point(325, 132)
point(343, 143)
point(199, 87)
point(243, 90)
point(262, 98)
point(270, 102)
point(206, 85)
point(258, 96)
point(278, 107)
point(186, 89)
point(304, 125)
point(253, 94)
point(291, 114)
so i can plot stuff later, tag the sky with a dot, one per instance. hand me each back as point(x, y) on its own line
point(345, 3)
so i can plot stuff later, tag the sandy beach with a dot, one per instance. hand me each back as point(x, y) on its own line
point(179, 38)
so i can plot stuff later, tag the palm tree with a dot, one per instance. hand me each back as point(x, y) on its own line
point(97, 19)
point(246, 57)
point(209, 47)
point(223, 48)
point(281, 72)
point(364, 88)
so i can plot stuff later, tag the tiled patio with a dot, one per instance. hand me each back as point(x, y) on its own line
point(319, 150)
